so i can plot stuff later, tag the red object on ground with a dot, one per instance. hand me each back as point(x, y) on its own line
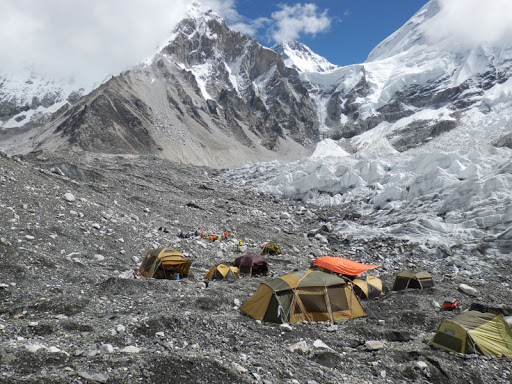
point(450, 304)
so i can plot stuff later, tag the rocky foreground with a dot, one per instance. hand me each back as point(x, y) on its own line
point(71, 226)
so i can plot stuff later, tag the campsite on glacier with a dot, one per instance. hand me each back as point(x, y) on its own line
point(403, 161)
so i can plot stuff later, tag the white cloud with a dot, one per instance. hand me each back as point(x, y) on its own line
point(471, 22)
point(250, 27)
point(88, 39)
point(292, 21)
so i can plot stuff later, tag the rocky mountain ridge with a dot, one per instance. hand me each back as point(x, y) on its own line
point(215, 97)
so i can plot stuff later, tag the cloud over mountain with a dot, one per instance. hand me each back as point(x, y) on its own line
point(471, 22)
point(87, 39)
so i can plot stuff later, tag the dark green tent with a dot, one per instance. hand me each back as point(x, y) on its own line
point(413, 279)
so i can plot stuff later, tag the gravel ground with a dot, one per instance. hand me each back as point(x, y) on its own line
point(71, 226)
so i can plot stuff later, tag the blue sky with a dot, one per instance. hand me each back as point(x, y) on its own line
point(354, 27)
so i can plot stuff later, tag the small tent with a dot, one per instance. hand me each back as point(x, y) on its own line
point(165, 263)
point(369, 287)
point(270, 249)
point(303, 296)
point(413, 279)
point(341, 265)
point(251, 264)
point(475, 332)
point(222, 272)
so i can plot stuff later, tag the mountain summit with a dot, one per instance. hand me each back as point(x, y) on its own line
point(300, 57)
point(212, 96)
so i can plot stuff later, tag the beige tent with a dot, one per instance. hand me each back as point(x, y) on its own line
point(475, 332)
point(222, 272)
point(304, 296)
point(165, 263)
point(369, 287)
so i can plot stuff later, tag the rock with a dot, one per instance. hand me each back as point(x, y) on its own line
point(236, 302)
point(29, 237)
point(468, 290)
point(99, 257)
point(321, 238)
point(421, 365)
point(106, 348)
point(108, 214)
point(99, 377)
point(374, 345)
point(328, 359)
point(285, 216)
point(69, 197)
point(239, 368)
point(120, 328)
point(130, 349)
point(319, 344)
point(328, 227)
point(33, 348)
point(285, 327)
point(54, 349)
point(300, 347)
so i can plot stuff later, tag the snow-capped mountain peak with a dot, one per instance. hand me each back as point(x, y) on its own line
point(408, 36)
point(300, 57)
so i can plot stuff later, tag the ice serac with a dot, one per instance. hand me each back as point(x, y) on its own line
point(414, 84)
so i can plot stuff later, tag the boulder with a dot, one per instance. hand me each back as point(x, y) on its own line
point(468, 290)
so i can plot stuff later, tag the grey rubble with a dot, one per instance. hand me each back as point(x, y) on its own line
point(70, 226)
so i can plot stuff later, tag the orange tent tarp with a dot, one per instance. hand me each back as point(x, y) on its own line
point(341, 265)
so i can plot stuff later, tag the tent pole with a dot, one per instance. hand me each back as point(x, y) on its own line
point(328, 303)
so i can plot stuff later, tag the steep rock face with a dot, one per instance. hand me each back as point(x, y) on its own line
point(235, 70)
point(211, 96)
